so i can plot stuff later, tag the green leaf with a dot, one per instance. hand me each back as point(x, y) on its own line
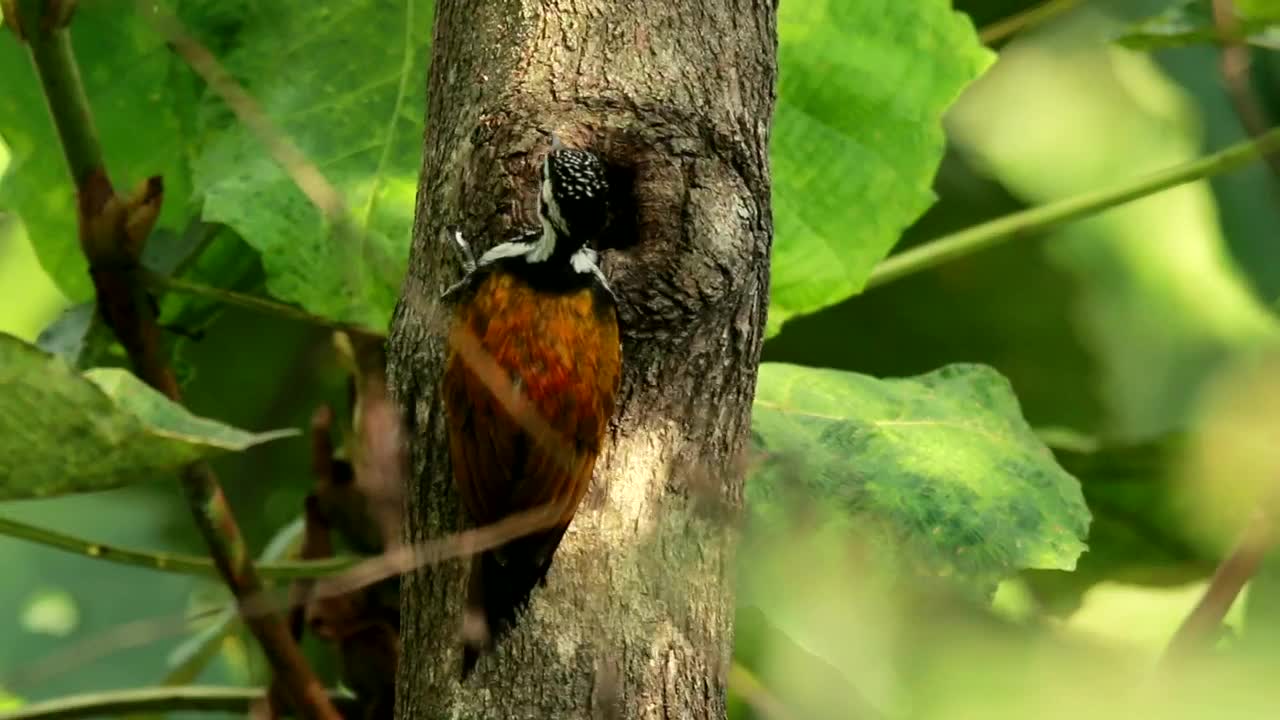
point(361, 125)
point(857, 136)
point(1191, 22)
point(942, 464)
point(64, 432)
point(143, 100)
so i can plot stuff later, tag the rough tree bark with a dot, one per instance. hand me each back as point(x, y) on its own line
point(677, 96)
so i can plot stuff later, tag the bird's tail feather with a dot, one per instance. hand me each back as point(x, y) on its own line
point(499, 587)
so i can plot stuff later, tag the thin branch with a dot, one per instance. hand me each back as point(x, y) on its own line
point(1234, 64)
point(1003, 29)
point(113, 231)
point(174, 563)
point(1200, 628)
point(190, 698)
point(1027, 222)
point(166, 283)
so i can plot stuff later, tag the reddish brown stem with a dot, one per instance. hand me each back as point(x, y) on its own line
point(1234, 65)
point(113, 230)
point(1201, 626)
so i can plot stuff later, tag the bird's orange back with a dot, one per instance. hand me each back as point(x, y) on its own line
point(562, 350)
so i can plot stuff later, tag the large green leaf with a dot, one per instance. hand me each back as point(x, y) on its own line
point(143, 100)
point(857, 136)
point(942, 463)
point(64, 432)
point(360, 123)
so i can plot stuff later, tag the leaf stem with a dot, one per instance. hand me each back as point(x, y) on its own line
point(166, 283)
point(992, 233)
point(188, 698)
point(176, 563)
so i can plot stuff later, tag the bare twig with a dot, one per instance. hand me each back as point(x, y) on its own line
point(113, 230)
point(407, 558)
point(309, 179)
point(1235, 61)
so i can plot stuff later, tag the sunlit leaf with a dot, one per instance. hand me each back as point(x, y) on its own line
point(857, 136)
point(943, 463)
point(64, 432)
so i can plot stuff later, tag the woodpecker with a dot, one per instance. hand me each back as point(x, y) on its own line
point(540, 307)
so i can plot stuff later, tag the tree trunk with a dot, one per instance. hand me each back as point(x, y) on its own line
point(677, 96)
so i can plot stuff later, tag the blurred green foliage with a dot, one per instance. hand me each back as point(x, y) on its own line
point(1191, 22)
point(1105, 335)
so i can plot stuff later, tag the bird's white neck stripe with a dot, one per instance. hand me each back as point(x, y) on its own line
point(584, 260)
point(549, 214)
point(546, 243)
point(506, 250)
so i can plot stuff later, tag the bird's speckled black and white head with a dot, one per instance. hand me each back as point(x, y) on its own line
point(573, 205)
point(574, 200)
